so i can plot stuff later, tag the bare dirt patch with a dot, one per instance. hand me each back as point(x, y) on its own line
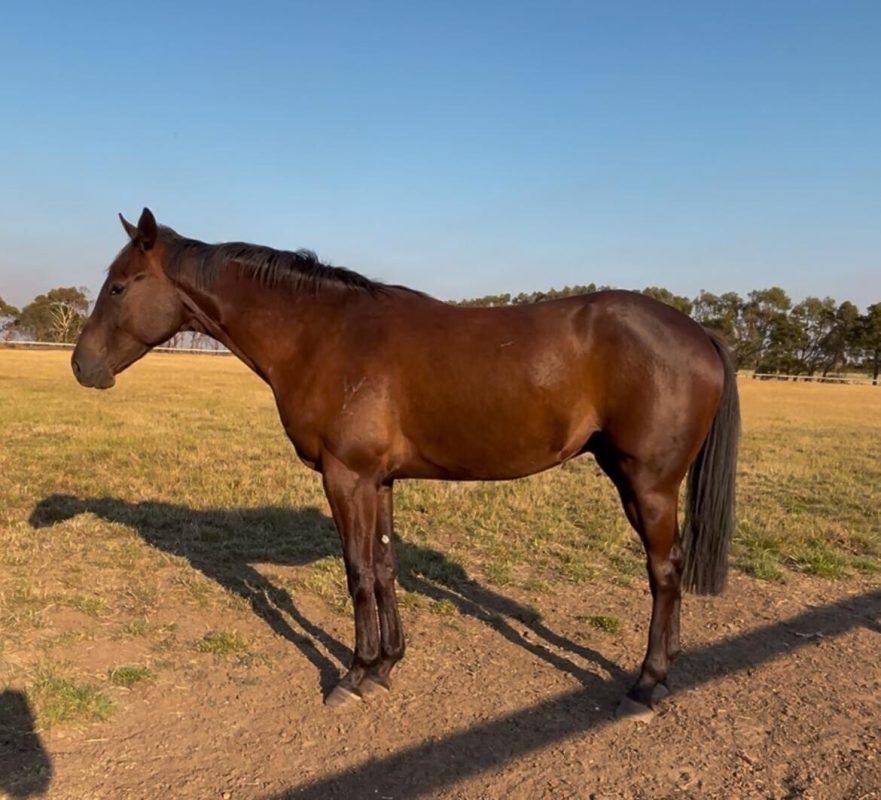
point(778, 695)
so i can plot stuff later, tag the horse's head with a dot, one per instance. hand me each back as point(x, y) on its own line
point(137, 308)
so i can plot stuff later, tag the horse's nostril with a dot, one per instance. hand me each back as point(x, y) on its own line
point(76, 367)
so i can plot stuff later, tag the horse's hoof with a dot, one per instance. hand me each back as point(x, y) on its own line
point(637, 712)
point(659, 692)
point(371, 688)
point(340, 696)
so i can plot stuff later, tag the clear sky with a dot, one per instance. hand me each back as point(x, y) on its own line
point(463, 148)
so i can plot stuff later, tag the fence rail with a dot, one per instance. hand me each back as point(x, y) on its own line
point(776, 376)
point(15, 344)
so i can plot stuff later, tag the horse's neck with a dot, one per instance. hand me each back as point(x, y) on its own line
point(264, 327)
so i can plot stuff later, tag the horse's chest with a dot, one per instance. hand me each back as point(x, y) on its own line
point(344, 416)
point(299, 425)
point(306, 445)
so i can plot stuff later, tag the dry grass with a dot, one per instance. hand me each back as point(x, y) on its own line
point(177, 494)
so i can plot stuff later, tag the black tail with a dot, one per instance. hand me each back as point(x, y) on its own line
point(709, 501)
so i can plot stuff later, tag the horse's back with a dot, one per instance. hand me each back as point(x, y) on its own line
point(503, 392)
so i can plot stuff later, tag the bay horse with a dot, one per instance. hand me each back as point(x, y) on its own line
point(376, 383)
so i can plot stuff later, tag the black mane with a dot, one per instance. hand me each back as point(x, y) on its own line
point(202, 264)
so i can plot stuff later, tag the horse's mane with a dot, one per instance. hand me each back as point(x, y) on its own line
point(202, 264)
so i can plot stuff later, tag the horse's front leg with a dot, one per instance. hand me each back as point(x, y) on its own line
point(353, 501)
point(391, 633)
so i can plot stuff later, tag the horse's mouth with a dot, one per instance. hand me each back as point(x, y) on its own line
point(105, 380)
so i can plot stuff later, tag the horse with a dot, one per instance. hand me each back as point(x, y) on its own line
point(376, 383)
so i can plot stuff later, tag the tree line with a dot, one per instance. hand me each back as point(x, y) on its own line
point(766, 330)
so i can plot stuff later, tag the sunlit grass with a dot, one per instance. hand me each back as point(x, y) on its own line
point(221, 643)
point(128, 676)
point(602, 622)
point(58, 699)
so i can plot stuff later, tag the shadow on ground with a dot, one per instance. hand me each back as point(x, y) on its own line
point(25, 766)
point(224, 544)
point(432, 766)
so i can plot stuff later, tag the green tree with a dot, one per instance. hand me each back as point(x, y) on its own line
point(815, 319)
point(489, 300)
point(7, 309)
point(56, 316)
point(678, 302)
point(720, 313)
point(524, 298)
point(869, 339)
point(843, 339)
point(785, 343)
point(8, 315)
point(552, 294)
point(761, 316)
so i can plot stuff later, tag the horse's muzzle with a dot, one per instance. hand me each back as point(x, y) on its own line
point(93, 376)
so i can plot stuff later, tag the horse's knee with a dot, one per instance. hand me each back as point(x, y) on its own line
point(386, 573)
point(361, 582)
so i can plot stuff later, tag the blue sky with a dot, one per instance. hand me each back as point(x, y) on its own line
point(461, 148)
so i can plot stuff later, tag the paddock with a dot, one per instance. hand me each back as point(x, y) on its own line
point(169, 612)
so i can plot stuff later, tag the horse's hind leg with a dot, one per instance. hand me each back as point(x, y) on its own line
point(650, 503)
point(653, 514)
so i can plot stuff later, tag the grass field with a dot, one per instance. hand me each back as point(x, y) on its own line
point(176, 494)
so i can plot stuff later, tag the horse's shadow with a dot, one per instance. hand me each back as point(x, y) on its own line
point(223, 544)
point(25, 766)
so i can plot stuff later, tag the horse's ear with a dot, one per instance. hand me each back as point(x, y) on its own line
point(147, 232)
point(130, 229)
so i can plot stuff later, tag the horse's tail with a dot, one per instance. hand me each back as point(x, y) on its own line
point(709, 502)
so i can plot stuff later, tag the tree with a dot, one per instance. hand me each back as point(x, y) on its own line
point(523, 298)
point(56, 316)
point(786, 340)
point(719, 313)
point(760, 315)
point(8, 316)
point(487, 301)
point(178, 340)
point(843, 339)
point(682, 304)
point(7, 310)
point(66, 322)
point(553, 294)
point(869, 338)
point(815, 319)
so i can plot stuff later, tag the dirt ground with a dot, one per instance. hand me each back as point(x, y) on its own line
point(778, 695)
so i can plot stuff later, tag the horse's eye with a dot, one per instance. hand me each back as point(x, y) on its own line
point(116, 288)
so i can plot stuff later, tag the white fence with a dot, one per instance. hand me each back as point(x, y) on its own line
point(15, 344)
point(776, 376)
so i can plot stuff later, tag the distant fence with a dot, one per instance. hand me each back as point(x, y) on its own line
point(776, 376)
point(14, 344)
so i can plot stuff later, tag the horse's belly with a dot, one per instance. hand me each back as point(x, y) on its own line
point(498, 447)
